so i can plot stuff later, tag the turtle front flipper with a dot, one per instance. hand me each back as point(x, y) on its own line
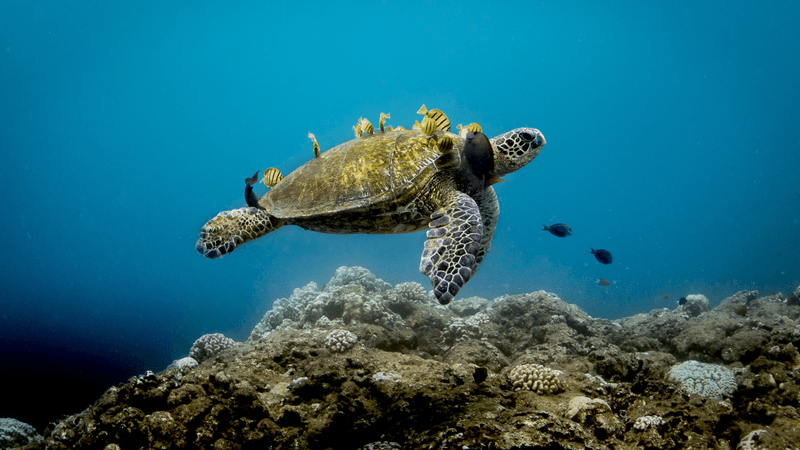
point(450, 253)
point(230, 229)
point(489, 208)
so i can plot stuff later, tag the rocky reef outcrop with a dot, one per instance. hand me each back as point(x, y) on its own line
point(359, 364)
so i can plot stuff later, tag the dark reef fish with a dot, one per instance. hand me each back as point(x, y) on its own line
point(250, 197)
point(791, 299)
point(682, 301)
point(666, 296)
point(603, 282)
point(558, 229)
point(740, 310)
point(604, 256)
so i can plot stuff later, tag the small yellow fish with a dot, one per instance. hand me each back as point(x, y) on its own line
point(416, 125)
point(428, 127)
point(441, 120)
point(366, 126)
point(316, 144)
point(400, 128)
point(357, 130)
point(444, 144)
point(471, 128)
point(474, 128)
point(381, 122)
point(272, 176)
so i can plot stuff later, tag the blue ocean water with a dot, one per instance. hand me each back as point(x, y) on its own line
point(672, 132)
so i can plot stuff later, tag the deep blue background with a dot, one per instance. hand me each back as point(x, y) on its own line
point(672, 131)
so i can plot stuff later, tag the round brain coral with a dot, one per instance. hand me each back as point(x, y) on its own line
point(706, 380)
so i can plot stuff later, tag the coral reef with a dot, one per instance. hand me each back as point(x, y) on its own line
point(645, 422)
point(536, 378)
point(706, 380)
point(209, 345)
point(594, 414)
point(183, 365)
point(352, 296)
point(14, 433)
point(432, 376)
point(381, 446)
point(695, 305)
point(751, 440)
point(340, 340)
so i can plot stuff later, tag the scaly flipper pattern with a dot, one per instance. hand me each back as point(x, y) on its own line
point(230, 229)
point(449, 256)
point(490, 211)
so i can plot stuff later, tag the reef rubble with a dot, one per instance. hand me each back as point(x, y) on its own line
point(359, 364)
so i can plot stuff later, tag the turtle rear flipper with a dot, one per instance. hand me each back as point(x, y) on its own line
point(449, 256)
point(230, 229)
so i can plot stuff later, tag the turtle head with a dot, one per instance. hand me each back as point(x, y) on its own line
point(514, 149)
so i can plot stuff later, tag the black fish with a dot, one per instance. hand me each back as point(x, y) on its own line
point(558, 229)
point(479, 155)
point(250, 197)
point(252, 180)
point(604, 256)
point(682, 301)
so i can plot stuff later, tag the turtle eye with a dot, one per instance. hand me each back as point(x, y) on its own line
point(527, 136)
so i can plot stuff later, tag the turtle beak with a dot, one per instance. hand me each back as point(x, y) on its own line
point(493, 179)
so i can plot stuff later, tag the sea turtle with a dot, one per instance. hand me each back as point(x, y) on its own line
point(392, 182)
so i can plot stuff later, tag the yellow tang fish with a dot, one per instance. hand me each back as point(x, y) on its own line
point(357, 130)
point(366, 126)
point(384, 116)
point(272, 176)
point(416, 126)
point(316, 144)
point(442, 122)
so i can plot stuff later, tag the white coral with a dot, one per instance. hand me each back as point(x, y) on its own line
point(645, 422)
point(373, 310)
point(461, 330)
point(706, 380)
point(411, 291)
point(356, 275)
point(340, 340)
point(210, 345)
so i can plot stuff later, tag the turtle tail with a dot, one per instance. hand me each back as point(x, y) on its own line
point(230, 229)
